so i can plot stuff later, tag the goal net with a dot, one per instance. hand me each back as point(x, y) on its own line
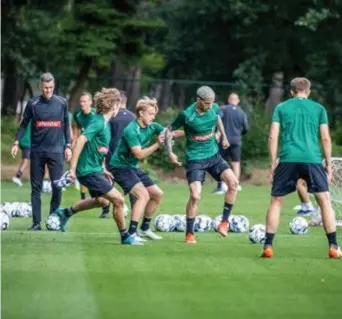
point(335, 194)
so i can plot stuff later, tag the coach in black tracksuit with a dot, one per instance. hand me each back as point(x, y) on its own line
point(50, 143)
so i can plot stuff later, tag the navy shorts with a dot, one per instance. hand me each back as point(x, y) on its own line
point(196, 169)
point(286, 176)
point(233, 152)
point(25, 152)
point(97, 184)
point(127, 178)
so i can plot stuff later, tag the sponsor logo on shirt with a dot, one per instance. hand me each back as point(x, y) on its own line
point(102, 149)
point(202, 138)
point(43, 124)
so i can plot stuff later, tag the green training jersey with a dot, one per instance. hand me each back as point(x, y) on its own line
point(199, 131)
point(81, 119)
point(299, 120)
point(133, 135)
point(98, 136)
point(25, 141)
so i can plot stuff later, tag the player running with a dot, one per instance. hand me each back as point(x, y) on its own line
point(299, 121)
point(200, 121)
point(88, 165)
point(135, 145)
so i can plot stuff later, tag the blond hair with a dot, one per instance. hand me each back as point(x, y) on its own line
point(144, 103)
point(300, 85)
point(107, 100)
point(86, 93)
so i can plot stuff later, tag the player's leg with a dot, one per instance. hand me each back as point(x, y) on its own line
point(284, 182)
point(220, 170)
point(22, 166)
point(303, 194)
point(235, 154)
point(221, 186)
point(37, 167)
point(195, 189)
point(317, 182)
point(130, 182)
point(55, 163)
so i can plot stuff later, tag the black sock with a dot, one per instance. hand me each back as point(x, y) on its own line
point(190, 225)
point(219, 185)
point(105, 210)
point(332, 239)
point(269, 239)
point(133, 227)
point(145, 224)
point(69, 212)
point(19, 174)
point(226, 211)
point(124, 234)
point(83, 195)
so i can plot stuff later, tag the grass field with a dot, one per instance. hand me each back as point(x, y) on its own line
point(85, 273)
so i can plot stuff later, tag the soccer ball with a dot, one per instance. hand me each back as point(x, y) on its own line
point(203, 223)
point(47, 188)
point(52, 222)
point(4, 220)
point(126, 210)
point(216, 222)
point(299, 225)
point(257, 234)
point(163, 223)
point(179, 223)
point(238, 224)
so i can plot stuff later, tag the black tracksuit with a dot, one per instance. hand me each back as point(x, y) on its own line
point(49, 135)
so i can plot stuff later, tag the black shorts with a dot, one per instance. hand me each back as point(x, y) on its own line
point(286, 176)
point(233, 152)
point(196, 169)
point(97, 184)
point(25, 152)
point(127, 178)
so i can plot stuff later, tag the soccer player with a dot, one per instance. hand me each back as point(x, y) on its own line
point(299, 121)
point(25, 145)
point(200, 121)
point(135, 145)
point(50, 142)
point(88, 165)
point(235, 125)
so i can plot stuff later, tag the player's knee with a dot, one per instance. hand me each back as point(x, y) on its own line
point(158, 196)
point(102, 202)
point(119, 201)
point(142, 195)
point(277, 200)
point(195, 197)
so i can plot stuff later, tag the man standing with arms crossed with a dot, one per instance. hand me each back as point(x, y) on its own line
point(235, 125)
point(299, 121)
point(50, 143)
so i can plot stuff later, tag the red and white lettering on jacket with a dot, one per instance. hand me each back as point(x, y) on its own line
point(43, 124)
point(202, 138)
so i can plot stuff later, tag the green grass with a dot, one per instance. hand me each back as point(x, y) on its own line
point(85, 273)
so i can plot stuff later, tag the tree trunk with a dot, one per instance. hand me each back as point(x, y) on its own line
point(276, 92)
point(117, 75)
point(10, 88)
point(133, 87)
point(80, 83)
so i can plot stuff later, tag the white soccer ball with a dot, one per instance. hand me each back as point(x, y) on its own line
point(299, 225)
point(5, 220)
point(257, 234)
point(203, 223)
point(52, 222)
point(238, 224)
point(126, 210)
point(216, 222)
point(27, 207)
point(7, 208)
point(163, 223)
point(180, 223)
point(47, 188)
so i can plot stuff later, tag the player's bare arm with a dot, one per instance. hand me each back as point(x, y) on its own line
point(169, 134)
point(273, 146)
point(220, 128)
point(327, 148)
point(140, 153)
point(80, 142)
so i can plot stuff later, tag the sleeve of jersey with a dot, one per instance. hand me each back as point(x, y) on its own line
point(27, 117)
point(95, 126)
point(179, 121)
point(276, 115)
point(323, 119)
point(158, 128)
point(131, 137)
